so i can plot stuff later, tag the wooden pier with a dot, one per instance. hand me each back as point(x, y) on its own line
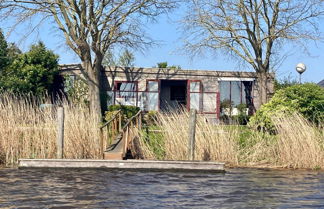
point(122, 164)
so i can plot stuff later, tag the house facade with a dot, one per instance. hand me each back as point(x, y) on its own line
point(163, 89)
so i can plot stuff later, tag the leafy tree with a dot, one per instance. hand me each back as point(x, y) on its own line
point(162, 64)
point(307, 99)
point(165, 65)
point(33, 72)
point(3, 51)
point(13, 52)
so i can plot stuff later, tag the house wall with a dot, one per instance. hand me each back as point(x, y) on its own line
point(210, 79)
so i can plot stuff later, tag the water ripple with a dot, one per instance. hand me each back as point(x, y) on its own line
point(238, 188)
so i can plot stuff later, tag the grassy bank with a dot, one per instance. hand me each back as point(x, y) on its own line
point(297, 144)
point(29, 131)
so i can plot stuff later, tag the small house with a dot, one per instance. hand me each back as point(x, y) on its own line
point(211, 93)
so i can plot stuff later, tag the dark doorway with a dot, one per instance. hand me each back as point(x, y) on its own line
point(173, 95)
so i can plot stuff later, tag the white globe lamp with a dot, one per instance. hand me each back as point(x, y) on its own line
point(300, 68)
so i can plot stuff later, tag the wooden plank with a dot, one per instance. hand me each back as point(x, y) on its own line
point(122, 164)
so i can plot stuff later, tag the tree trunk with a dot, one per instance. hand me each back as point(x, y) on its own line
point(263, 86)
point(94, 89)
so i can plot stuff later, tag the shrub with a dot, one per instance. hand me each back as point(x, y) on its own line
point(307, 99)
point(127, 110)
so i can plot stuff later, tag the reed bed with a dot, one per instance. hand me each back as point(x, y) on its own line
point(297, 144)
point(30, 131)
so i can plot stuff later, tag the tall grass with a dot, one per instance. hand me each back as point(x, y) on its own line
point(29, 131)
point(297, 144)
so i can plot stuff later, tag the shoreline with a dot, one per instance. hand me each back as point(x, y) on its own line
point(261, 167)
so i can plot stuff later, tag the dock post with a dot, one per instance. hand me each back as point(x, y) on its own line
point(60, 133)
point(192, 134)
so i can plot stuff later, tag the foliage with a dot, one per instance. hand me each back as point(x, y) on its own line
point(227, 103)
point(32, 72)
point(242, 118)
point(155, 140)
point(3, 51)
point(307, 99)
point(162, 64)
point(165, 65)
point(285, 82)
point(127, 110)
point(76, 90)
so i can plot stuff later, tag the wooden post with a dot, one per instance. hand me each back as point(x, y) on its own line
point(60, 133)
point(101, 135)
point(192, 133)
point(120, 121)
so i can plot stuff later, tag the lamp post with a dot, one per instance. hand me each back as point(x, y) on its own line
point(300, 68)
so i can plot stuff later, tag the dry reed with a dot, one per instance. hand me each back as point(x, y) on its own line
point(297, 144)
point(28, 131)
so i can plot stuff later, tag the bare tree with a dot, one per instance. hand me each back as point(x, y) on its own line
point(91, 27)
point(252, 30)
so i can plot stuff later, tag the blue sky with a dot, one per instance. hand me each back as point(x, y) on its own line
point(169, 36)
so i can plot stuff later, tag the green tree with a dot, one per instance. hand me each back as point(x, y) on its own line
point(162, 64)
point(165, 65)
point(3, 51)
point(32, 72)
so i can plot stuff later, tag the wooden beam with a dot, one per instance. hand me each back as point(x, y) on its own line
point(123, 164)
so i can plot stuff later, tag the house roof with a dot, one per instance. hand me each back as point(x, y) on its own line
point(212, 73)
point(321, 83)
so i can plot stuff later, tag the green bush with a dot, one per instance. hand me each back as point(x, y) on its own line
point(307, 99)
point(127, 110)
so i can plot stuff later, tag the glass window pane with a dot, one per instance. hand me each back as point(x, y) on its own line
point(195, 101)
point(236, 92)
point(127, 94)
point(194, 86)
point(224, 88)
point(110, 98)
point(152, 101)
point(126, 101)
point(141, 100)
point(153, 86)
point(127, 87)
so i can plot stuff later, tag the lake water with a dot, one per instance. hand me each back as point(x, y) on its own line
point(238, 188)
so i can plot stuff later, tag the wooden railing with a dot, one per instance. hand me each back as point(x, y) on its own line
point(130, 131)
point(109, 130)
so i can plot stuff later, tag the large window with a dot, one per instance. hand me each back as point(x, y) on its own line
point(125, 89)
point(236, 92)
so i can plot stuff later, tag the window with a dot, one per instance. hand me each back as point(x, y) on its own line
point(236, 92)
point(125, 89)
